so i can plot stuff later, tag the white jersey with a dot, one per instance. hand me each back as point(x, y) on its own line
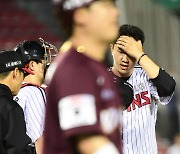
point(140, 117)
point(32, 99)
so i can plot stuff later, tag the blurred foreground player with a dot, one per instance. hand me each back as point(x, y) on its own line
point(83, 111)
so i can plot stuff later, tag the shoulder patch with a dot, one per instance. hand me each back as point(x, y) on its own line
point(76, 111)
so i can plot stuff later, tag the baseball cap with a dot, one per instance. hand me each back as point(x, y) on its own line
point(68, 5)
point(9, 60)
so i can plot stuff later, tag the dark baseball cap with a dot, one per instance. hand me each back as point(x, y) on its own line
point(9, 60)
point(68, 5)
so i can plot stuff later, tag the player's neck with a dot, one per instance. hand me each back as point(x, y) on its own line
point(33, 80)
point(90, 47)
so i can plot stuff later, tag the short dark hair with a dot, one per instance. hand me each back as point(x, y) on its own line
point(132, 31)
point(3, 75)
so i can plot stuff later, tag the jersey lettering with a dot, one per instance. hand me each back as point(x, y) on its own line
point(138, 101)
point(147, 100)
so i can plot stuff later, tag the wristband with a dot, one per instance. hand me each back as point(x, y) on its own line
point(140, 58)
point(108, 148)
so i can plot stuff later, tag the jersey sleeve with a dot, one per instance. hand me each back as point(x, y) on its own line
point(34, 101)
point(79, 109)
point(155, 96)
point(77, 103)
point(165, 83)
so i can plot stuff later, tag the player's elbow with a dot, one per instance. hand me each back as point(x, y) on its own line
point(169, 88)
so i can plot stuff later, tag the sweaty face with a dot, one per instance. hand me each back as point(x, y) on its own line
point(123, 63)
point(103, 20)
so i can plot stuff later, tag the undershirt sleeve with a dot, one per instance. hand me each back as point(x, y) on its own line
point(165, 83)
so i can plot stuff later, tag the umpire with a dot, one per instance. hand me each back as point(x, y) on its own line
point(13, 138)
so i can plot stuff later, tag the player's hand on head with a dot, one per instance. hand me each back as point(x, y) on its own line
point(130, 46)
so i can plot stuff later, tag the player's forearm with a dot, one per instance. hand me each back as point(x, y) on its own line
point(96, 145)
point(149, 66)
point(163, 81)
point(39, 145)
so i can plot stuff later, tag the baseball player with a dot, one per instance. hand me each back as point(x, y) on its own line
point(32, 97)
point(83, 111)
point(13, 137)
point(151, 86)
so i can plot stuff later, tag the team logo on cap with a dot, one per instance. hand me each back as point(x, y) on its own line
point(10, 64)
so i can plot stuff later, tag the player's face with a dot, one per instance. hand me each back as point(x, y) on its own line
point(103, 20)
point(122, 62)
point(41, 70)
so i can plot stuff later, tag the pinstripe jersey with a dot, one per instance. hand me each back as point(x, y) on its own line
point(32, 99)
point(140, 117)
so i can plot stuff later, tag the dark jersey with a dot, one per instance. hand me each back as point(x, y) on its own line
point(81, 99)
point(13, 138)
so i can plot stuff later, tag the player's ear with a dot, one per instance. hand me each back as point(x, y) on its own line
point(111, 47)
point(139, 42)
point(32, 65)
point(15, 73)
